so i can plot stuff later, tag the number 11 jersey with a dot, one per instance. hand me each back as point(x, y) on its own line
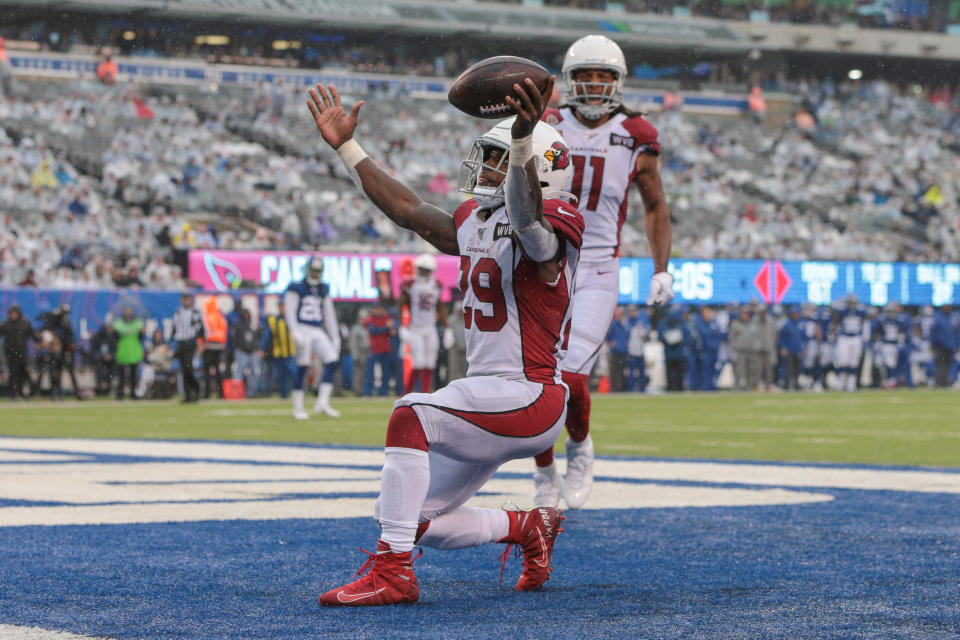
point(604, 166)
point(517, 325)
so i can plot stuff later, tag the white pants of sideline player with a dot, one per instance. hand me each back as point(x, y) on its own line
point(313, 341)
point(848, 352)
point(424, 346)
point(474, 425)
point(597, 293)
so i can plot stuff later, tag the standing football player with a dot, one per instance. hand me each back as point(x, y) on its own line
point(853, 330)
point(518, 251)
point(422, 297)
point(612, 148)
point(309, 313)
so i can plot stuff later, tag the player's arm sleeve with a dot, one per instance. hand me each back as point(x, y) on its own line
point(291, 302)
point(538, 242)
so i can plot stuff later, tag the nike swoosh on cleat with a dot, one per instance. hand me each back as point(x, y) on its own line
point(543, 545)
point(353, 597)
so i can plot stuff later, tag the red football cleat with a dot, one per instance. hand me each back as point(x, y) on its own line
point(390, 581)
point(535, 531)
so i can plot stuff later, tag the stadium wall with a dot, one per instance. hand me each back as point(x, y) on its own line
point(359, 277)
point(187, 72)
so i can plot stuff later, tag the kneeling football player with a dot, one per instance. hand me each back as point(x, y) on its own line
point(518, 249)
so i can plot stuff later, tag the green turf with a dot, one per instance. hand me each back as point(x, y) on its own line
point(890, 427)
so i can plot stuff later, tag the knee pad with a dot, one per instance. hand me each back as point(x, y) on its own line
point(404, 430)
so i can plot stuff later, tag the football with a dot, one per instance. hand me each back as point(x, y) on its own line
point(479, 91)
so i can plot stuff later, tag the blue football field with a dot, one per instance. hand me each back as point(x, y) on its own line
point(870, 562)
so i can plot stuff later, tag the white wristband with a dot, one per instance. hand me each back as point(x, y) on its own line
point(521, 150)
point(351, 154)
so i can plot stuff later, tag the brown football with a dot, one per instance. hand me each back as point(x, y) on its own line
point(479, 91)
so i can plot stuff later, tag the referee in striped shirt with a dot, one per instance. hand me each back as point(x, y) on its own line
point(187, 327)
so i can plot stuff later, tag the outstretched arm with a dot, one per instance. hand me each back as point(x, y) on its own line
point(392, 197)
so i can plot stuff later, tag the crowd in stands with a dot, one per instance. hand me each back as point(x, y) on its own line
point(749, 348)
point(105, 186)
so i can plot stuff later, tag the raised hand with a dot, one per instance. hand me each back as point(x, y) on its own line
point(334, 123)
point(529, 104)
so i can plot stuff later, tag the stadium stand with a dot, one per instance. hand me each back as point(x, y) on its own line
point(183, 168)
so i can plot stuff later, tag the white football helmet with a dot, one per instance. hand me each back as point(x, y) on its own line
point(550, 153)
point(426, 262)
point(314, 271)
point(594, 52)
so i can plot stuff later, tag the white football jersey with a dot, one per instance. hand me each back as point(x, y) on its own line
point(516, 324)
point(604, 166)
point(424, 295)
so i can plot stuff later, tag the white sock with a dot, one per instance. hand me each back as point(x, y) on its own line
point(466, 527)
point(323, 395)
point(297, 400)
point(550, 470)
point(403, 488)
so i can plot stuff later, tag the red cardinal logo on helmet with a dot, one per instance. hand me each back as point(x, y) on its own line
point(558, 155)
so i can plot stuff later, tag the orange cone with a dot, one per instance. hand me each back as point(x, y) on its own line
point(603, 385)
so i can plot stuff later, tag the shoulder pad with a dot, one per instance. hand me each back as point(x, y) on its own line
point(463, 212)
point(565, 220)
point(644, 133)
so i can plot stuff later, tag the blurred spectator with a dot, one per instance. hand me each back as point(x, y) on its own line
point(758, 105)
point(50, 353)
point(617, 338)
point(743, 344)
point(707, 344)
point(278, 348)
point(358, 342)
point(945, 341)
point(214, 345)
point(156, 370)
point(636, 358)
point(107, 70)
point(69, 342)
point(103, 348)
point(129, 331)
point(675, 336)
point(765, 327)
point(246, 344)
point(16, 332)
point(790, 341)
point(188, 328)
point(380, 328)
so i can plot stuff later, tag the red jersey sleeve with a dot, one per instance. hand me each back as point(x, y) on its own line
point(463, 212)
point(644, 133)
point(565, 220)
